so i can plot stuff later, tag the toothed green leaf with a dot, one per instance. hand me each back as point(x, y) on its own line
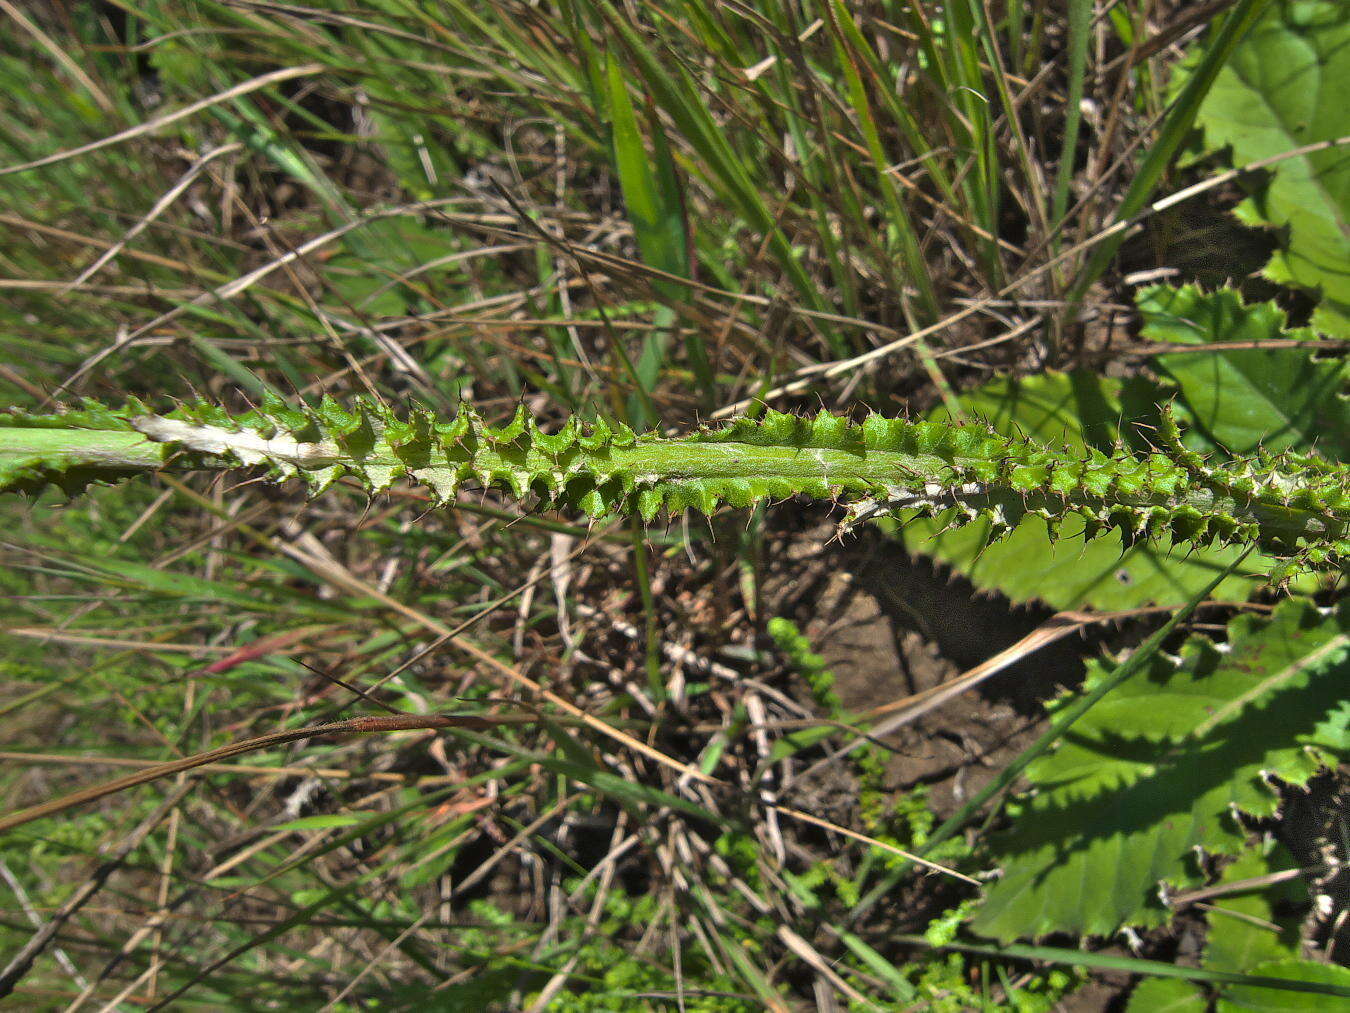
point(1245, 400)
point(1167, 995)
point(1284, 88)
point(1061, 559)
point(1156, 768)
point(1245, 927)
point(1258, 999)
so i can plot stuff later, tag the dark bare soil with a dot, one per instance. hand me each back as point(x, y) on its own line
point(891, 626)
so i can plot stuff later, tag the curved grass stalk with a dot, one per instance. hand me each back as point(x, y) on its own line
point(1290, 505)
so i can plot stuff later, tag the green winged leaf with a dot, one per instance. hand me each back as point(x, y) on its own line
point(1156, 769)
point(1298, 507)
point(1284, 88)
point(1073, 410)
point(1245, 400)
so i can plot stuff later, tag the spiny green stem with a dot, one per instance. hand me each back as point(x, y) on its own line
point(1296, 506)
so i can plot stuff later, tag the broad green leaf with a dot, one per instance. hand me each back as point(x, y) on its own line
point(1073, 410)
point(1284, 88)
point(1240, 936)
point(1156, 768)
point(1253, 999)
point(423, 165)
point(1166, 995)
point(1244, 400)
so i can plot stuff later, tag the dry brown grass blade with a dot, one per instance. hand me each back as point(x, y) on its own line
point(872, 841)
point(236, 286)
point(53, 636)
point(1236, 886)
point(813, 958)
point(246, 769)
point(66, 235)
point(328, 568)
point(352, 726)
point(307, 550)
point(908, 709)
point(243, 88)
point(160, 206)
point(68, 64)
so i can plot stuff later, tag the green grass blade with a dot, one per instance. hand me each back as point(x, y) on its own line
point(1080, 20)
point(647, 182)
point(846, 37)
point(1175, 127)
point(650, 186)
point(675, 93)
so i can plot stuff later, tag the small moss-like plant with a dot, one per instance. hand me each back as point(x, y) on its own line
point(1292, 505)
